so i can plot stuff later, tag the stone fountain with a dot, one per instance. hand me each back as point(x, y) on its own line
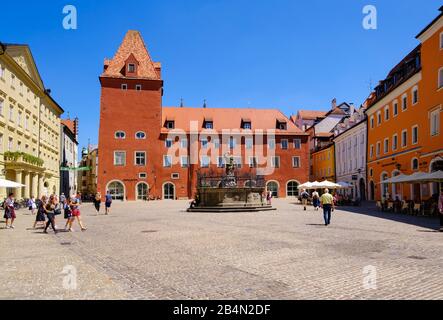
point(230, 192)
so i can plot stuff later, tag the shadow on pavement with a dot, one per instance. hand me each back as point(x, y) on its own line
point(370, 210)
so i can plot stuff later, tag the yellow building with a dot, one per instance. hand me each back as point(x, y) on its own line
point(29, 126)
point(87, 179)
point(323, 164)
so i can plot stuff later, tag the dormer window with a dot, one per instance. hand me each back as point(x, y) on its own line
point(170, 124)
point(246, 124)
point(131, 67)
point(138, 87)
point(209, 125)
point(282, 125)
point(124, 86)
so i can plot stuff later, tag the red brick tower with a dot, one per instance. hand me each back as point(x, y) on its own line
point(130, 121)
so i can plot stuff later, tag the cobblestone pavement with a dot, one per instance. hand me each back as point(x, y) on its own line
point(156, 250)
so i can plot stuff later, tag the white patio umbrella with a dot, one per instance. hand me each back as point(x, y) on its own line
point(395, 179)
point(10, 184)
point(329, 185)
point(413, 178)
point(306, 185)
point(435, 177)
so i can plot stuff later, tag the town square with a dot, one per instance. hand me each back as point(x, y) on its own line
point(158, 155)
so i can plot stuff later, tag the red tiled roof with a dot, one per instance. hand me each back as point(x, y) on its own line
point(311, 115)
point(70, 124)
point(132, 44)
point(228, 118)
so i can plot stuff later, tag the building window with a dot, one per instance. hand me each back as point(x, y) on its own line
point(175, 176)
point(140, 158)
point(271, 144)
point(404, 104)
point(297, 143)
point(204, 143)
point(10, 144)
point(26, 122)
point(131, 67)
point(1, 107)
point(231, 143)
point(124, 86)
point(120, 135)
point(184, 161)
point(11, 113)
point(414, 96)
point(435, 122)
point(372, 122)
point(140, 135)
point(220, 162)
point(138, 87)
point(386, 113)
point(395, 108)
point(247, 125)
point(394, 142)
point(275, 162)
point(284, 144)
point(205, 160)
point(252, 162)
point(170, 124)
point(386, 145)
point(414, 164)
point(209, 125)
point(281, 125)
point(167, 161)
point(378, 149)
point(142, 175)
point(404, 138)
point(119, 158)
point(296, 162)
point(238, 163)
point(2, 72)
point(184, 143)
point(371, 151)
point(168, 143)
point(414, 134)
point(249, 143)
point(440, 78)
point(378, 118)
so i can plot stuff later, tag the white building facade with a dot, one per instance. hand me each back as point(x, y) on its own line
point(350, 156)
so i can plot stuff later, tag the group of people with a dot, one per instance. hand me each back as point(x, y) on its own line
point(326, 201)
point(98, 200)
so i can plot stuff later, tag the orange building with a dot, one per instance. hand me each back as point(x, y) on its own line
point(323, 164)
point(147, 150)
point(404, 120)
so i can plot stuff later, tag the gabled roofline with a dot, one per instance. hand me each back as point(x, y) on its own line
point(431, 24)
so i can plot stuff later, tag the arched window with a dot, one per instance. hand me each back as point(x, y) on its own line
point(414, 164)
point(117, 190)
point(292, 189)
point(140, 135)
point(273, 187)
point(142, 191)
point(120, 135)
point(168, 191)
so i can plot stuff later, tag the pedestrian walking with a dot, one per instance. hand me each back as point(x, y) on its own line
point(327, 202)
point(97, 201)
point(75, 210)
point(108, 202)
point(62, 198)
point(40, 217)
point(52, 208)
point(9, 211)
point(269, 198)
point(32, 206)
point(304, 198)
point(67, 212)
point(316, 200)
point(440, 209)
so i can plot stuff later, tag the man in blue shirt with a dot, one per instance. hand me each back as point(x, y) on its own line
point(108, 202)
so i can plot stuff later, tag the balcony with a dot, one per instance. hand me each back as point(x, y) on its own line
point(16, 160)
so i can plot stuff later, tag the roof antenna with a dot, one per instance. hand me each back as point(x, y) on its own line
point(181, 102)
point(69, 118)
point(204, 103)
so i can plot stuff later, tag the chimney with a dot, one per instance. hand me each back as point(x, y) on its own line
point(204, 104)
point(334, 103)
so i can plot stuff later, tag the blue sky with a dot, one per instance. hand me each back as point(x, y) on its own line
point(283, 54)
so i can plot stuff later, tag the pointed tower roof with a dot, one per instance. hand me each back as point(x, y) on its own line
point(132, 44)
